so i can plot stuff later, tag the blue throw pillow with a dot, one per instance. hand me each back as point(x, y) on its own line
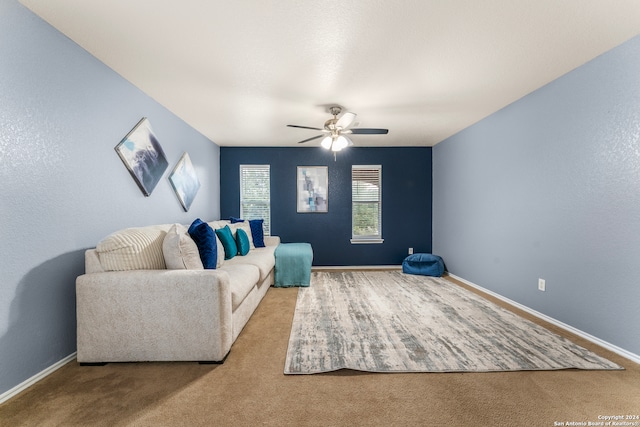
point(229, 244)
point(234, 220)
point(242, 240)
point(257, 232)
point(205, 240)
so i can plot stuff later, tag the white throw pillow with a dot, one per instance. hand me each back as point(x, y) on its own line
point(180, 251)
point(220, 252)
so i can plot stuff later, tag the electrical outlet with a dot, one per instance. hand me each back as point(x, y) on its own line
point(542, 285)
point(410, 251)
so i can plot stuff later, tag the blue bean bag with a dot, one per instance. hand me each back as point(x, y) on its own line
point(423, 264)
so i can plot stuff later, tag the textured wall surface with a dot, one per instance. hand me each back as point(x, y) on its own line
point(549, 187)
point(406, 200)
point(62, 185)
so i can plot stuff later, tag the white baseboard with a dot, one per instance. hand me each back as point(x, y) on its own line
point(620, 351)
point(37, 377)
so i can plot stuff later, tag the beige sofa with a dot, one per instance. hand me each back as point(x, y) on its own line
point(146, 297)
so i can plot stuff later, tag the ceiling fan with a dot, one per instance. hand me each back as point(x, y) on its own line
point(335, 130)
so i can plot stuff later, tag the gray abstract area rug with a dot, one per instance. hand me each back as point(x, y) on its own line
point(387, 321)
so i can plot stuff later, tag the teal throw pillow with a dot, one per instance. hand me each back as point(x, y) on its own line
point(228, 242)
point(242, 240)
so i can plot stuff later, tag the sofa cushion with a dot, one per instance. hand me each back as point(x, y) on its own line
point(180, 251)
point(137, 248)
point(242, 241)
point(262, 258)
point(242, 279)
point(205, 239)
point(228, 241)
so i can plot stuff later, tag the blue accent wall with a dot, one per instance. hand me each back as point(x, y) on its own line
point(62, 185)
point(549, 187)
point(406, 200)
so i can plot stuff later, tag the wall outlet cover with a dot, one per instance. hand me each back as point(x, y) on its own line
point(542, 286)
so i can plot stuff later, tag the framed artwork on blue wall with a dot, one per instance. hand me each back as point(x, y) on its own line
point(143, 156)
point(184, 181)
point(312, 189)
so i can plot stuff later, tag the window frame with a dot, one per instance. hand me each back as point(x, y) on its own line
point(373, 238)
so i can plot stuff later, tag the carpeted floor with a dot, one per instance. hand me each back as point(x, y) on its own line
point(387, 321)
point(250, 389)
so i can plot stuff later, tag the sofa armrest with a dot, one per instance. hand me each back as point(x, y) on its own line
point(154, 315)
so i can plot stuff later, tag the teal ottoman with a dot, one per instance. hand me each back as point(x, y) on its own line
point(293, 265)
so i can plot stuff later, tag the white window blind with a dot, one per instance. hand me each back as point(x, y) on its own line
point(366, 200)
point(255, 194)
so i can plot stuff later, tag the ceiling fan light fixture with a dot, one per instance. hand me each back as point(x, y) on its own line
point(336, 129)
point(339, 143)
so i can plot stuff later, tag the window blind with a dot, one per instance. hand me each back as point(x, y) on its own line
point(366, 199)
point(255, 194)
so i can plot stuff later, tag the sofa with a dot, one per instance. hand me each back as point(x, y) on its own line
point(146, 296)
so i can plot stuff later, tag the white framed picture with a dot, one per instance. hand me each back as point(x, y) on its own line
point(184, 181)
point(143, 156)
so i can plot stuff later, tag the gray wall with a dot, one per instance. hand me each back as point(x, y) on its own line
point(62, 185)
point(549, 187)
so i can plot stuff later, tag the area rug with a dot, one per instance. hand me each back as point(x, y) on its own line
point(387, 321)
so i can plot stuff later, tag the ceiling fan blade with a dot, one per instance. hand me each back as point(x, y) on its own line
point(303, 127)
point(346, 120)
point(369, 131)
point(310, 139)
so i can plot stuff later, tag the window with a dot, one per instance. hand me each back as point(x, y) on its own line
point(366, 204)
point(255, 197)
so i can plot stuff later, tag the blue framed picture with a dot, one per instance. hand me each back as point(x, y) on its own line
point(142, 154)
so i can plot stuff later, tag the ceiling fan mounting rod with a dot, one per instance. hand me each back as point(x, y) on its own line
point(335, 110)
point(331, 125)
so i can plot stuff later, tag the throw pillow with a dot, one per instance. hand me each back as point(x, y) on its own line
point(205, 239)
point(257, 232)
point(230, 247)
point(234, 220)
point(220, 251)
point(180, 251)
point(242, 240)
point(246, 228)
point(137, 248)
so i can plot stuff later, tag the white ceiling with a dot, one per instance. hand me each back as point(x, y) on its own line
point(240, 71)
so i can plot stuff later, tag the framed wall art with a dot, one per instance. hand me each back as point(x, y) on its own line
point(184, 181)
point(312, 189)
point(142, 154)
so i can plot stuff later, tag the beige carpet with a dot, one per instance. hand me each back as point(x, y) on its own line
point(388, 321)
point(250, 389)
